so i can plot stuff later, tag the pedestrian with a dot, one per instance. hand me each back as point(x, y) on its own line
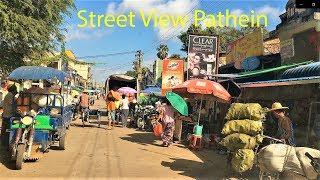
point(84, 101)
point(285, 129)
point(167, 117)
point(124, 110)
point(9, 111)
point(111, 108)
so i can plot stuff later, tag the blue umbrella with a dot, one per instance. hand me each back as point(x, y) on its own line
point(37, 73)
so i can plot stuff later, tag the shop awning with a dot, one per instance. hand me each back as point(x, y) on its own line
point(264, 71)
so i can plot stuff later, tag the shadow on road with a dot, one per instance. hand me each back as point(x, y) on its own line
point(5, 158)
point(195, 169)
point(143, 138)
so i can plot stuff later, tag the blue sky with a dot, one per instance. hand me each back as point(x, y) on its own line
point(103, 40)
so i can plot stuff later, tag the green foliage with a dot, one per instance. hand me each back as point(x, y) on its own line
point(226, 34)
point(29, 29)
point(175, 56)
point(163, 51)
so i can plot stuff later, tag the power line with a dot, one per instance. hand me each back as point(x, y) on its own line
point(106, 55)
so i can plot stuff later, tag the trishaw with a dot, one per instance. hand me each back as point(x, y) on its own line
point(37, 129)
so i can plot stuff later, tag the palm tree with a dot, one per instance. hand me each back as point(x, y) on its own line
point(163, 51)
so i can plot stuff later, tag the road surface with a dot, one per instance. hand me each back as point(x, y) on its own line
point(119, 153)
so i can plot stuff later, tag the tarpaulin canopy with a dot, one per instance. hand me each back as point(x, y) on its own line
point(37, 73)
point(152, 90)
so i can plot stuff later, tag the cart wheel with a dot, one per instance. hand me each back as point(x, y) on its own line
point(20, 156)
point(62, 142)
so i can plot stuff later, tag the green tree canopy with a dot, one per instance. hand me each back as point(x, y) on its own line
point(30, 28)
point(163, 51)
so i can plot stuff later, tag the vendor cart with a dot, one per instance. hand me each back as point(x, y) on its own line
point(53, 114)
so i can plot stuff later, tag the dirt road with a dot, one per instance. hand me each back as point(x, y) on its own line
point(119, 153)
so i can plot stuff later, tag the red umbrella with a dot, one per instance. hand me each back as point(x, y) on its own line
point(202, 87)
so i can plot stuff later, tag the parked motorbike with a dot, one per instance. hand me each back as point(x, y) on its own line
point(24, 135)
point(147, 117)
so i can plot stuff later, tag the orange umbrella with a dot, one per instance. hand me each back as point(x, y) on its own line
point(208, 88)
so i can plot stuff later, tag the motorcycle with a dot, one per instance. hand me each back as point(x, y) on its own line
point(24, 135)
point(147, 117)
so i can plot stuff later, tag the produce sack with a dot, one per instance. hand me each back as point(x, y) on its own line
point(242, 126)
point(157, 129)
point(242, 160)
point(252, 111)
point(241, 141)
point(278, 158)
point(306, 162)
point(41, 100)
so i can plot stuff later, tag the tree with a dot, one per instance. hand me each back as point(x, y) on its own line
point(163, 51)
point(175, 56)
point(30, 29)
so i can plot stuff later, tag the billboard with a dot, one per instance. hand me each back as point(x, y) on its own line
point(248, 46)
point(172, 74)
point(202, 56)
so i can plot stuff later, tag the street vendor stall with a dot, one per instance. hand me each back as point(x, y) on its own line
point(199, 89)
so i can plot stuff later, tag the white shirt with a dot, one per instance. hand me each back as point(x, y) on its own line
point(125, 103)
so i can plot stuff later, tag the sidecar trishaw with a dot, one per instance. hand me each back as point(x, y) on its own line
point(52, 118)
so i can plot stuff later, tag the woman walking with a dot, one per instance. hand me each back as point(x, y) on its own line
point(166, 115)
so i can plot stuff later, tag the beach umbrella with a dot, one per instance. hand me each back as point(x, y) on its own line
point(127, 90)
point(178, 103)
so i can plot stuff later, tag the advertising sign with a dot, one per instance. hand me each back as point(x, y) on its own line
point(248, 46)
point(287, 49)
point(202, 56)
point(172, 74)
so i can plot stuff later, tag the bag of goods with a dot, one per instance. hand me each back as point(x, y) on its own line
point(241, 141)
point(252, 111)
point(158, 129)
point(242, 160)
point(278, 158)
point(306, 162)
point(41, 100)
point(242, 126)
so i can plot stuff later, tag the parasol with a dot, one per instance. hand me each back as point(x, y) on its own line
point(178, 103)
point(127, 90)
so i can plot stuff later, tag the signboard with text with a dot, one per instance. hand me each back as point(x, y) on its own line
point(248, 46)
point(172, 74)
point(202, 56)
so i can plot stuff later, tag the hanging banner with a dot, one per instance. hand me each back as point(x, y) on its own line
point(202, 56)
point(172, 74)
point(248, 46)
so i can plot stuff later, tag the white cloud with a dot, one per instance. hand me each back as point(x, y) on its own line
point(168, 7)
point(272, 12)
point(75, 33)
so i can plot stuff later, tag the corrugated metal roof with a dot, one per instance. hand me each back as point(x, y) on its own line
point(282, 82)
point(308, 70)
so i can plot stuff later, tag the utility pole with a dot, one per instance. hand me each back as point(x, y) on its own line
point(139, 57)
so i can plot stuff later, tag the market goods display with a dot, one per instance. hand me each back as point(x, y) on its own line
point(278, 158)
point(243, 129)
point(305, 161)
point(242, 160)
point(242, 126)
point(252, 111)
point(241, 141)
